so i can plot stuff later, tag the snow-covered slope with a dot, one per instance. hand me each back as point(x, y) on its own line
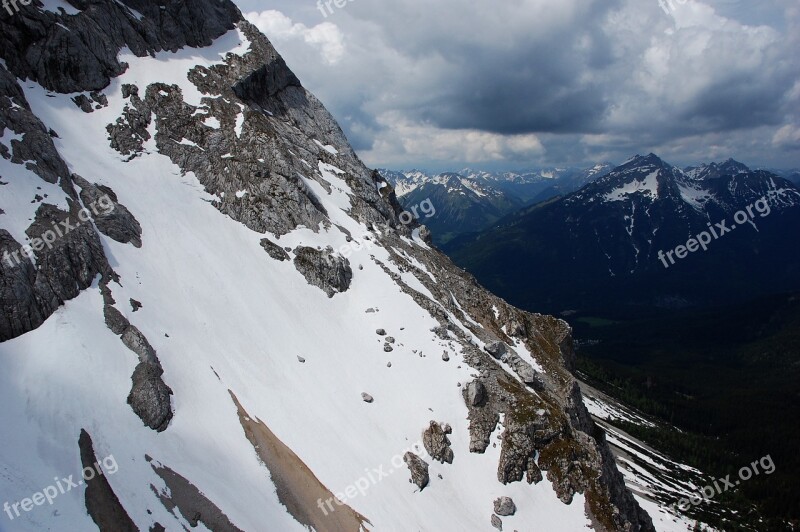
point(287, 335)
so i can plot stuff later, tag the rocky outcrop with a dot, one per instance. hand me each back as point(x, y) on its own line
point(65, 265)
point(474, 393)
point(102, 503)
point(190, 502)
point(504, 506)
point(79, 52)
point(274, 250)
point(324, 270)
point(111, 218)
point(436, 442)
point(418, 468)
point(150, 397)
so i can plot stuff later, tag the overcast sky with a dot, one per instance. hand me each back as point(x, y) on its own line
point(512, 84)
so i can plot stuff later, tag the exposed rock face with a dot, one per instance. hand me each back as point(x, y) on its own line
point(436, 442)
point(150, 397)
point(30, 294)
point(112, 218)
point(474, 393)
point(504, 506)
point(80, 52)
point(274, 250)
point(102, 503)
point(184, 496)
point(324, 270)
point(418, 468)
point(497, 349)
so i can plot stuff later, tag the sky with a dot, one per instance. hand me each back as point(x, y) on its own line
point(515, 84)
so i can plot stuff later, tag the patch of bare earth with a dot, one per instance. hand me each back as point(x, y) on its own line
point(298, 488)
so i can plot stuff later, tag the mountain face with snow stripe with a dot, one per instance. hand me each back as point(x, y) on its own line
point(202, 284)
point(614, 241)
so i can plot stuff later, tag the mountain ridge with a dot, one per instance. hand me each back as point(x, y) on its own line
point(253, 277)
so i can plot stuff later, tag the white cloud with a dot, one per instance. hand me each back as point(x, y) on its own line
point(404, 140)
point(565, 82)
point(325, 37)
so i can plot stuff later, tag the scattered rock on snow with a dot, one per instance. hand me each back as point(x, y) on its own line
point(497, 523)
point(418, 468)
point(435, 440)
point(504, 506)
point(367, 397)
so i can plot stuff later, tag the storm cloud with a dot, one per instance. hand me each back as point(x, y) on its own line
point(521, 83)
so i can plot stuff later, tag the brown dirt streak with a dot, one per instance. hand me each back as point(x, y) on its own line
point(297, 486)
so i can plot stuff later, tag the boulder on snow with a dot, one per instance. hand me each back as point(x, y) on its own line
point(367, 397)
point(331, 273)
point(504, 506)
point(418, 468)
point(436, 442)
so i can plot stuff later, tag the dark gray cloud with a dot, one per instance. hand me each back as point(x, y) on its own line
point(528, 82)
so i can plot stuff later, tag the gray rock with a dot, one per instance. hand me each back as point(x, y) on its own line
point(497, 349)
point(150, 396)
point(418, 468)
point(379, 332)
point(389, 340)
point(136, 342)
point(497, 522)
point(301, 359)
point(504, 506)
point(80, 53)
point(445, 356)
point(274, 250)
point(112, 218)
point(367, 398)
point(475, 393)
point(330, 273)
point(387, 348)
point(30, 294)
point(436, 442)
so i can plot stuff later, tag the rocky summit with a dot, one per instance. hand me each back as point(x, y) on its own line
point(181, 222)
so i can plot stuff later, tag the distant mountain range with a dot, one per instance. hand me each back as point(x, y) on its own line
point(621, 240)
point(469, 200)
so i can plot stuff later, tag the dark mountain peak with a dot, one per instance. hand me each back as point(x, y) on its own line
point(733, 167)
